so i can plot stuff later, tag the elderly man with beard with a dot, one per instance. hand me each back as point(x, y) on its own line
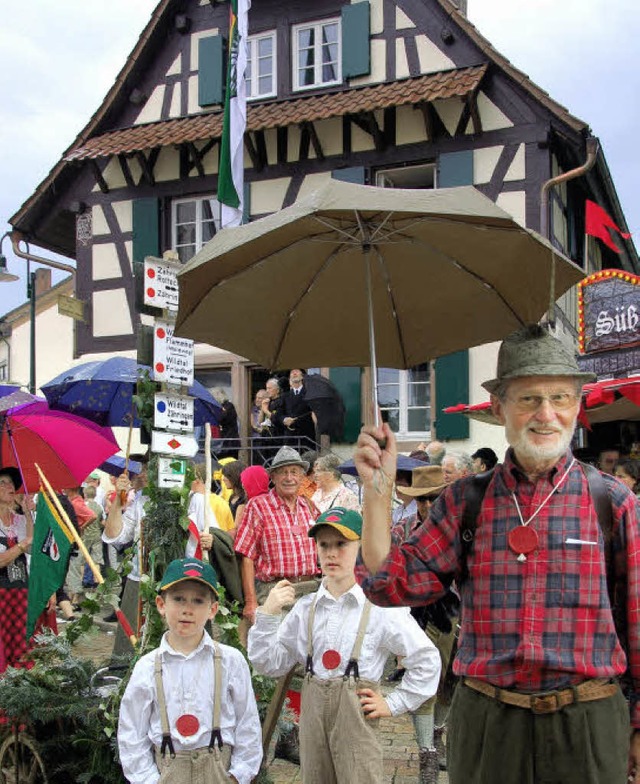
point(538, 653)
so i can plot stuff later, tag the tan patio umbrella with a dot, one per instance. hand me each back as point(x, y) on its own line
point(358, 275)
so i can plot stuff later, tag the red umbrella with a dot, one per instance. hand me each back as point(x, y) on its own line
point(66, 447)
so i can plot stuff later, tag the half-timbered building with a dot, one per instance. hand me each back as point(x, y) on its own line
point(395, 93)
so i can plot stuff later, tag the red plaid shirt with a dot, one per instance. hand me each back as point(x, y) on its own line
point(534, 626)
point(276, 539)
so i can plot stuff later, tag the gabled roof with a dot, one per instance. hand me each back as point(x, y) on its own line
point(34, 217)
point(276, 114)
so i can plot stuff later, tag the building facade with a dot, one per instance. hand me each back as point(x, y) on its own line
point(393, 93)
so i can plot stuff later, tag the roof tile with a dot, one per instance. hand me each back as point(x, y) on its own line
point(278, 114)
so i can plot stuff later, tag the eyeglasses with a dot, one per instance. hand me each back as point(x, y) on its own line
point(559, 401)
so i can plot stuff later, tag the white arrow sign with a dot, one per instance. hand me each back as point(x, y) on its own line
point(160, 284)
point(171, 472)
point(181, 445)
point(172, 356)
point(173, 412)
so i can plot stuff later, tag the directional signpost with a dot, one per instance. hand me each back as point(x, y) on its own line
point(160, 283)
point(172, 356)
point(171, 471)
point(173, 412)
point(175, 444)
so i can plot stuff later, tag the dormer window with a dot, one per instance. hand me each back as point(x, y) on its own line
point(317, 54)
point(261, 66)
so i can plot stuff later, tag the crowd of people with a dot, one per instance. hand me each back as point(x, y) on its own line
point(514, 581)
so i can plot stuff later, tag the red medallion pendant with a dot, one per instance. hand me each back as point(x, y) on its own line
point(331, 659)
point(522, 540)
point(187, 725)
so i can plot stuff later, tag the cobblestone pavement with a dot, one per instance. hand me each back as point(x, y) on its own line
point(401, 765)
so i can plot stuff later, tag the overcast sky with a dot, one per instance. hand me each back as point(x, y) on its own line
point(59, 59)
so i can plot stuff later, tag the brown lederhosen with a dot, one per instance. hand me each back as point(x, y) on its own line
point(204, 765)
point(337, 744)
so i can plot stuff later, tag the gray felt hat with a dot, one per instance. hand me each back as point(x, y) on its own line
point(532, 351)
point(287, 456)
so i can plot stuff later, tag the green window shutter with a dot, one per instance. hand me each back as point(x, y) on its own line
point(355, 174)
point(146, 228)
point(455, 168)
point(452, 371)
point(347, 382)
point(210, 70)
point(356, 46)
point(452, 387)
point(246, 203)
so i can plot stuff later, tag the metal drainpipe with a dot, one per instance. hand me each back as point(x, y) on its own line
point(17, 238)
point(592, 154)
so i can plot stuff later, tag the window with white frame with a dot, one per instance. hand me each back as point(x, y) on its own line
point(193, 223)
point(260, 75)
point(404, 397)
point(317, 54)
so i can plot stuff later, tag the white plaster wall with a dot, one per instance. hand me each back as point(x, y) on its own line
point(515, 204)
point(176, 67)
point(402, 20)
point(330, 135)
point(111, 313)
point(410, 127)
point(402, 63)
point(99, 225)
point(152, 110)
point(54, 346)
point(104, 261)
point(430, 57)
point(176, 100)
point(167, 166)
point(123, 211)
point(493, 119)
point(518, 168)
point(450, 111)
point(485, 161)
point(268, 196)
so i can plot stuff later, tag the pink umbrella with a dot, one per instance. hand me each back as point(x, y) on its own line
point(66, 447)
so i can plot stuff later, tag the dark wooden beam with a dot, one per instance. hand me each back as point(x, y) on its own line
point(390, 126)
point(313, 138)
point(100, 180)
point(254, 154)
point(472, 100)
point(194, 159)
point(464, 119)
point(346, 136)
point(126, 171)
point(282, 143)
point(368, 123)
point(434, 126)
point(147, 165)
point(261, 146)
point(305, 142)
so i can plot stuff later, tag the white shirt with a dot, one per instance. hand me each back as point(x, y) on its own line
point(276, 644)
point(132, 517)
point(139, 722)
point(402, 512)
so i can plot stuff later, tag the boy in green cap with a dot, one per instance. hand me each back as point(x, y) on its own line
point(189, 713)
point(344, 642)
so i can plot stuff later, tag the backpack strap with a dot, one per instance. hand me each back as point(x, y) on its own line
point(474, 492)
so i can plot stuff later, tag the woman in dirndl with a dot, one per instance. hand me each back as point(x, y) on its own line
point(15, 541)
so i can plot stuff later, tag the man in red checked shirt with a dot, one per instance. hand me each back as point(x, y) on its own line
point(273, 538)
point(538, 653)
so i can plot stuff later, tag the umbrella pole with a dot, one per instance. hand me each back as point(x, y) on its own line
point(95, 569)
point(366, 247)
point(207, 485)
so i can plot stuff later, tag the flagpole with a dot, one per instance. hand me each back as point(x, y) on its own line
point(82, 547)
point(207, 485)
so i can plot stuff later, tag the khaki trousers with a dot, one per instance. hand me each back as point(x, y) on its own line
point(337, 744)
point(199, 766)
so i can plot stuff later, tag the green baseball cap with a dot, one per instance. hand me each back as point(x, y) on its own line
point(347, 521)
point(183, 569)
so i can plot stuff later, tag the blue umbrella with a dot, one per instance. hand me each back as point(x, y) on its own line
point(114, 465)
point(404, 464)
point(102, 391)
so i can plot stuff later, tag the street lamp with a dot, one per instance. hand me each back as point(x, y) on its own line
point(16, 238)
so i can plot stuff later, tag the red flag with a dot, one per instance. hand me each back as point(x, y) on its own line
point(597, 224)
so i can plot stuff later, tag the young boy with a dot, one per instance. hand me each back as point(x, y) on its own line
point(188, 713)
point(344, 642)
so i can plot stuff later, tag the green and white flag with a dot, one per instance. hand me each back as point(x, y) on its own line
point(231, 178)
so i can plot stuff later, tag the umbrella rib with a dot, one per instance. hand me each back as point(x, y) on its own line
point(396, 320)
point(472, 274)
point(296, 305)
